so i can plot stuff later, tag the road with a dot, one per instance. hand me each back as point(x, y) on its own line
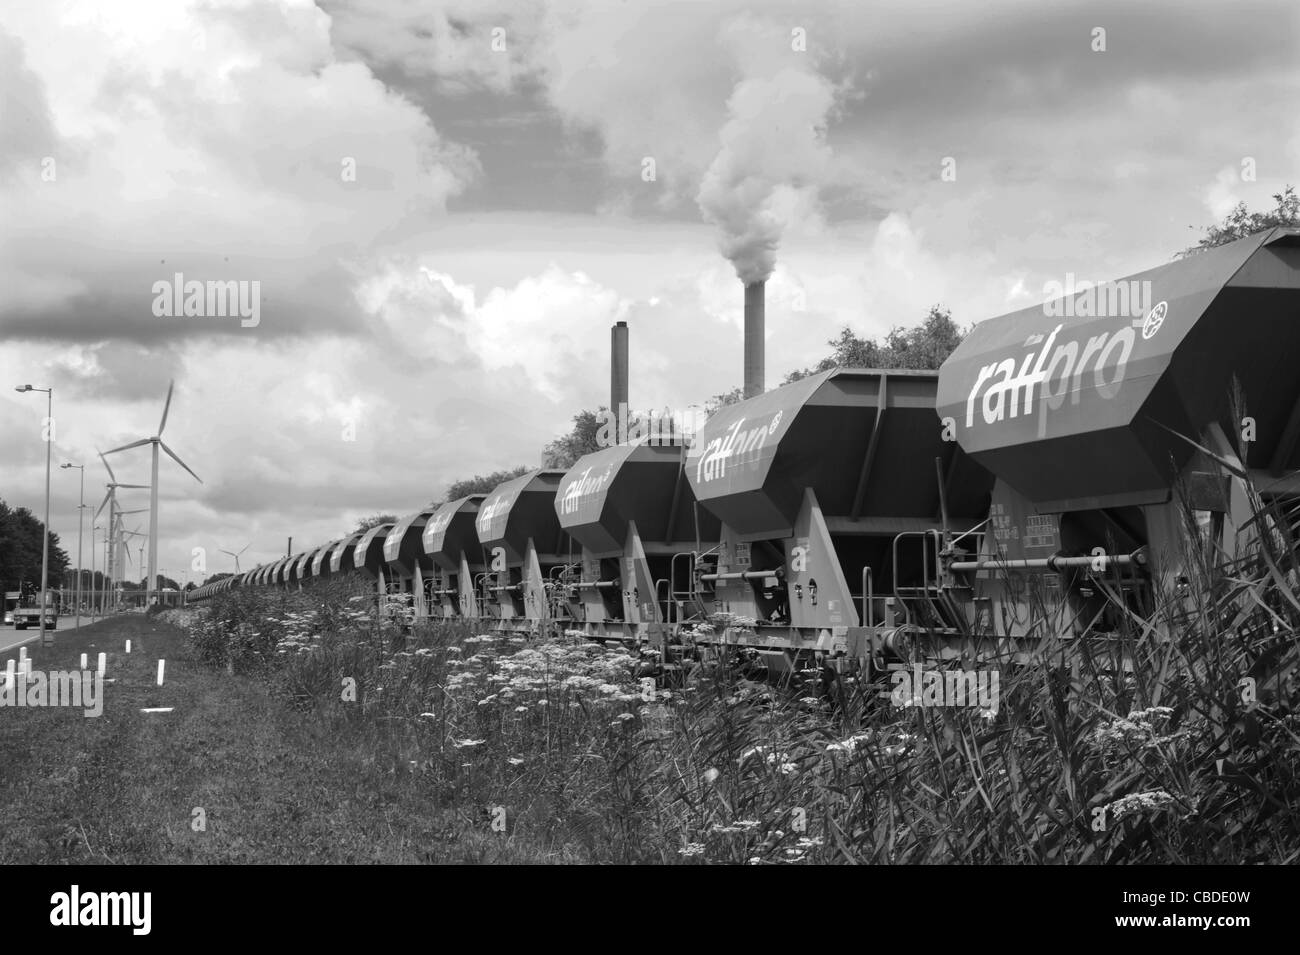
point(11, 639)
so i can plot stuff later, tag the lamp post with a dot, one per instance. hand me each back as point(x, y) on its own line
point(45, 542)
point(81, 507)
point(93, 527)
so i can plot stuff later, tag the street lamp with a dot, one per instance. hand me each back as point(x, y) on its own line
point(81, 507)
point(45, 542)
point(93, 527)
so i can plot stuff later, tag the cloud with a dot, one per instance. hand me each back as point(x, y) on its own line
point(1220, 197)
point(259, 157)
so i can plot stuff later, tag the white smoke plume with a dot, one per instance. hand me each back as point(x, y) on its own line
point(772, 159)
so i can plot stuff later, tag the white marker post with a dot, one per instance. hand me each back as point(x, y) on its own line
point(25, 671)
point(9, 673)
point(22, 654)
point(128, 646)
point(103, 663)
point(161, 664)
point(83, 661)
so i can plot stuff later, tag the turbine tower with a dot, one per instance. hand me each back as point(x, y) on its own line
point(113, 563)
point(236, 556)
point(151, 582)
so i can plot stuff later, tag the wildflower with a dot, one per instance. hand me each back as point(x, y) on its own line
point(521, 709)
point(463, 743)
point(1155, 801)
point(692, 849)
point(515, 761)
point(429, 714)
point(710, 775)
point(850, 744)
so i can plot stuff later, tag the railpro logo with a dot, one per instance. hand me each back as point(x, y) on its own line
point(583, 486)
point(738, 443)
point(1050, 372)
point(490, 510)
point(75, 908)
point(440, 522)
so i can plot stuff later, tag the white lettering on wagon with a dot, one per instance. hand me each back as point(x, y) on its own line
point(581, 487)
point(490, 510)
point(1003, 392)
point(735, 444)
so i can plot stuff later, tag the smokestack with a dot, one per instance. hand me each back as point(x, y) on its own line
point(618, 373)
point(754, 363)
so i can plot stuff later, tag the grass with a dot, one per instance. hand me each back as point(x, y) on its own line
point(310, 729)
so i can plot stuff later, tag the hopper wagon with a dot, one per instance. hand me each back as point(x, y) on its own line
point(320, 560)
point(408, 565)
point(825, 488)
point(527, 553)
point(1112, 434)
point(643, 540)
point(450, 541)
point(340, 559)
point(293, 581)
point(368, 556)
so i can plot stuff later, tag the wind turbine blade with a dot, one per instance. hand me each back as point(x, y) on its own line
point(246, 546)
point(172, 455)
point(143, 487)
point(166, 407)
point(230, 552)
point(107, 498)
point(111, 475)
point(128, 447)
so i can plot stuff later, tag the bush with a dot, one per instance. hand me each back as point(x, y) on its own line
point(1174, 741)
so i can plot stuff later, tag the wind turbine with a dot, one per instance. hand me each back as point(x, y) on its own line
point(157, 443)
point(112, 541)
point(135, 533)
point(236, 556)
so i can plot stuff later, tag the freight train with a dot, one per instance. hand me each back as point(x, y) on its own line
point(1044, 483)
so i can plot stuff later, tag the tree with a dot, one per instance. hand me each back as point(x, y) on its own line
point(718, 402)
point(20, 550)
point(1239, 223)
point(564, 451)
point(482, 483)
point(374, 520)
point(923, 346)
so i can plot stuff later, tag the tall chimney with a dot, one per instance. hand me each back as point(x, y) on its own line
point(618, 375)
point(754, 362)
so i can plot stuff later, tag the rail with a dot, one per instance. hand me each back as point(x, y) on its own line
point(740, 575)
point(1055, 562)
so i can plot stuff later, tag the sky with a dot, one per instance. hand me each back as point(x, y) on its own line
point(445, 205)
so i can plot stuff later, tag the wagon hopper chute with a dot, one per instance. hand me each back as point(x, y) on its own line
point(813, 482)
point(526, 551)
point(451, 543)
point(632, 510)
point(1084, 419)
point(408, 565)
